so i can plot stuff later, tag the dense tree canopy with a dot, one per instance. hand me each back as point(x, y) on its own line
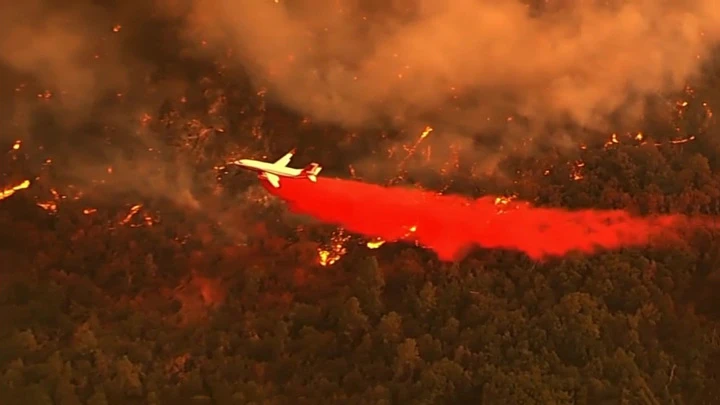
point(175, 283)
point(177, 311)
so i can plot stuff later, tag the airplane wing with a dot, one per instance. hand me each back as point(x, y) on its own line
point(273, 179)
point(285, 160)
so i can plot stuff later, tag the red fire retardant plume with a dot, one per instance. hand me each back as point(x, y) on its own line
point(450, 225)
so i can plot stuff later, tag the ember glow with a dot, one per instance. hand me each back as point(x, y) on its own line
point(335, 249)
point(7, 192)
point(451, 225)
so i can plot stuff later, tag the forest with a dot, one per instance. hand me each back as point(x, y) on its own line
point(141, 270)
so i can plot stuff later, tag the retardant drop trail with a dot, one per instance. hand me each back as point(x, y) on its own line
point(451, 225)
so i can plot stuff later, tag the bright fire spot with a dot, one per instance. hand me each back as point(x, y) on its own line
point(133, 210)
point(374, 244)
point(640, 136)
point(147, 221)
point(502, 204)
point(49, 206)
point(577, 170)
point(145, 119)
point(678, 141)
point(88, 211)
point(16, 145)
point(117, 28)
point(613, 140)
point(335, 250)
point(504, 200)
point(7, 192)
point(410, 152)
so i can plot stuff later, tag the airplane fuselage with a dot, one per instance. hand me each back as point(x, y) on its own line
point(265, 167)
point(272, 172)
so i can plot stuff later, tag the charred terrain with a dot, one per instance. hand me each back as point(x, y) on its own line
point(136, 267)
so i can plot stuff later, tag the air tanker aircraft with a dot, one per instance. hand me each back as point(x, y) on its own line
point(273, 171)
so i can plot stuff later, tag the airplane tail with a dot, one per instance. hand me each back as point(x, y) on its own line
point(311, 171)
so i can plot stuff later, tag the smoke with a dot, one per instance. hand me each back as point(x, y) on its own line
point(452, 225)
point(464, 63)
point(76, 80)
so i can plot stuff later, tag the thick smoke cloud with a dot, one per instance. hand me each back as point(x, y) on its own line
point(67, 50)
point(463, 65)
point(75, 82)
point(464, 62)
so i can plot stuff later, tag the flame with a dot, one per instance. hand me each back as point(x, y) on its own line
point(13, 189)
point(133, 210)
point(49, 206)
point(145, 119)
point(335, 250)
point(613, 140)
point(679, 141)
point(426, 132)
point(88, 211)
point(576, 173)
point(374, 244)
point(641, 138)
point(16, 145)
point(503, 203)
point(410, 152)
point(117, 28)
point(505, 200)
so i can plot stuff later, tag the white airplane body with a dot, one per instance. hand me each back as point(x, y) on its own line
point(273, 171)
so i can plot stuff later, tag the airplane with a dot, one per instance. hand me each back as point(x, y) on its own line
point(273, 171)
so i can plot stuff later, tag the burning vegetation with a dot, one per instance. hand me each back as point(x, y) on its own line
point(138, 268)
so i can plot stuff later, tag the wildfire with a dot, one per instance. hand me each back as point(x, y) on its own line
point(49, 206)
point(147, 219)
point(374, 244)
point(613, 140)
point(410, 152)
point(13, 189)
point(16, 145)
point(133, 210)
point(642, 140)
point(576, 173)
point(503, 203)
point(335, 250)
point(679, 141)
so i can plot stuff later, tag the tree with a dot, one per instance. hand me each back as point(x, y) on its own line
point(407, 358)
point(390, 327)
point(353, 322)
point(369, 285)
point(127, 376)
point(84, 339)
point(65, 393)
point(98, 397)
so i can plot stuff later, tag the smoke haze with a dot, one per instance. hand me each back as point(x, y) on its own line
point(464, 63)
